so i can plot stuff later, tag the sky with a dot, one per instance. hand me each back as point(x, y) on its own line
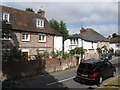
point(101, 16)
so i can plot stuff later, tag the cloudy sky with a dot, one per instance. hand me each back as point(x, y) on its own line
point(101, 16)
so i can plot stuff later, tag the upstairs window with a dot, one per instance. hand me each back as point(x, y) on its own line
point(5, 17)
point(42, 38)
point(6, 34)
point(40, 23)
point(25, 37)
point(74, 41)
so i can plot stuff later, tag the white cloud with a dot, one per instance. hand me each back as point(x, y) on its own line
point(88, 13)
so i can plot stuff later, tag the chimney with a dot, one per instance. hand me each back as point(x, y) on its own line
point(83, 32)
point(109, 36)
point(41, 12)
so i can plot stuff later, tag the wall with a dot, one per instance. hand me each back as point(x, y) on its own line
point(58, 43)
point(67, 45)
point(15, 70)
point(114, 46)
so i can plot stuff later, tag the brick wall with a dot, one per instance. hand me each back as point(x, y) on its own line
point(15, 70)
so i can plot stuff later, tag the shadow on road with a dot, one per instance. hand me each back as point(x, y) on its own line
point(47, 81)
point(90, 85)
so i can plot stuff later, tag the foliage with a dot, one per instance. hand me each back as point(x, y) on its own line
point(99, 51)
point(29, 9)
point(110, 52)
point(115, 35)
point(13, 54)
point(59, 27)
point(77, 50)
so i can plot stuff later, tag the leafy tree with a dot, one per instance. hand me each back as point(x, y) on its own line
point(29, 9)
point(114, 35)
point(59, 27)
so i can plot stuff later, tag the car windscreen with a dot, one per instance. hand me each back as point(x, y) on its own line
point(86, 66)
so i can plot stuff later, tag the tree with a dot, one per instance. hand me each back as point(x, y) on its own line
point(59, 27)
point(29, 9)
point(114, 35)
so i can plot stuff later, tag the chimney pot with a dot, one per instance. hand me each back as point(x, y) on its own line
point(41, 12)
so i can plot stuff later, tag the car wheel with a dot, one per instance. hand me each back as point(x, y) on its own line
point(100, 81)
point(113, 74)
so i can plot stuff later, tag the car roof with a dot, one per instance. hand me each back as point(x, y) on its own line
point(93, 61)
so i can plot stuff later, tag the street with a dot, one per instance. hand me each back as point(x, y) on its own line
point(65, 79)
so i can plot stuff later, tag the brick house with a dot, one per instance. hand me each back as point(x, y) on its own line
point(89, 39)
point(29, 31)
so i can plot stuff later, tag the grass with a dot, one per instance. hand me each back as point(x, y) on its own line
point(114, 83)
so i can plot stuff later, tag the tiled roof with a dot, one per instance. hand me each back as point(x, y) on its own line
point(91, 35)
point(25, 21)
point(115, 40)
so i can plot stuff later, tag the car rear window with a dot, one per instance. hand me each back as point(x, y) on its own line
point(86, 66)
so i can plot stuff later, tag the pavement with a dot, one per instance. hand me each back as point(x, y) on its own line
point(65, 79)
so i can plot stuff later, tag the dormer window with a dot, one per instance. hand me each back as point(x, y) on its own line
point(40, 23)
point(5, 17)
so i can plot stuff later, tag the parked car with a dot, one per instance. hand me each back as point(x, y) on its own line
point(106, 56)
point(95, 71)
point(117, 53)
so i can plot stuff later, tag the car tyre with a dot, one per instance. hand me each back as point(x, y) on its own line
point(100, 81)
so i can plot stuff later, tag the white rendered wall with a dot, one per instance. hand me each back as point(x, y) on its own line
point(87, 45)
point(114, 46)
point(66, 45)
point(58, 43)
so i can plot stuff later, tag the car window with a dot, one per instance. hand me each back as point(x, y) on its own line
point(107, 64)
point(86, 66)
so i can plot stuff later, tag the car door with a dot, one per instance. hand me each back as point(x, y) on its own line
point(103, 70)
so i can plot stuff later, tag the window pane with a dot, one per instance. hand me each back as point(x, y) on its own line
point(26, 36)
point(43, 37)
point(38, 23)
point(23, 36)
point(40, 37)
point(6, 16)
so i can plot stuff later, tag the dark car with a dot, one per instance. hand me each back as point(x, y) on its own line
point(95, 71)
point(117, 53)
point(106, 56)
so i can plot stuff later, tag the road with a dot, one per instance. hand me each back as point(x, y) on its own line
point(65, 79)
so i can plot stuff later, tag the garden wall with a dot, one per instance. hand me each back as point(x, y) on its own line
point(15, 70)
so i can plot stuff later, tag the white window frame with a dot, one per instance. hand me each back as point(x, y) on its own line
point(74, 41)
point(8, 16)
point(42, 38)
point(40, 23)
point(26, 39)
point(42, 49)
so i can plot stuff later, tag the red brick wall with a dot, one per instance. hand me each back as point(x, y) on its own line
point(14, 70)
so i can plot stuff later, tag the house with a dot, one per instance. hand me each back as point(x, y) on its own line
point(29, 31)
point(115, 43)
point(89, 39)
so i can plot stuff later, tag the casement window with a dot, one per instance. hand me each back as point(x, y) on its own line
point(5, 17)
point(74, 41)
point(42, 38)
point(6, 36)
point(25, 36)
point(40, 23)
point(42, 51)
